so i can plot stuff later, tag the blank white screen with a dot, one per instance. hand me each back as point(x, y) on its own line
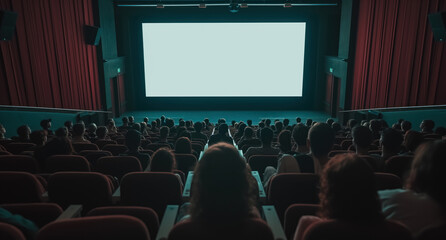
point(223, 59)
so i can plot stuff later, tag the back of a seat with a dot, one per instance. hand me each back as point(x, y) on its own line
point(20, 187)
point(333, 153)
point(156, 146)
point(185, 162)
point(90, 189)
point(18, 147)
point(79, 147)
point(60, 163)
point(255, 229)
point(151, 189)
point(385, 181)
point(293, 214)
point(334, 229)
point(102, 142)
point(21, 163)
point(147, 215)
point(10, 232)
point(115, 227)
point(433, 233)
point(93, 155)
point(399, 165)
point(260, 162)
point(39, 213)
point(115, 149)
point(118, 166)
point(289, 188)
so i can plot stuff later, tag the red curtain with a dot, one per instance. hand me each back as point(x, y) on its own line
point(397, 62)
point(47, 63)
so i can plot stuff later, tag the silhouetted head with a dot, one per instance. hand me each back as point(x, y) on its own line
point(351, 123)
point(183, 145)
point(248, 133)
point(427, 126)
point(406, 126)
point(101, 132)
point(23, 132)
point(348, 190)
point(267, 122)
point(309, 122)
point(300, 134)
point(131, 119)
point(223, 128)
point(321, 137)
point(266, 136)
point(427, 173)
point(279, 126)
point(298, 120)
point(125, 120)
point(68, 124)
point(133, 139)
point(362, 136)
point(284, 140)
point(78, 129)
point(163, 160)
point(329, 121)
point(146, 120)
point(45, 124)
point(391, 140)
point(375, 125)
point(249, 122)
point(286, 122)
point(92, 128)
point(164, 132)
point(61, 132)
point(222, 187)
point(38, 137)
point(336, 127)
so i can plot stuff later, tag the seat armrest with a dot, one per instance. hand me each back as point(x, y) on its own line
point(187, 186)
point(73, 211)
point(167, 222)
point(116, 197)
point(273, 221)
point(262, 193)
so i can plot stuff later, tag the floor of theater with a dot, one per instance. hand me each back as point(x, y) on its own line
point(255, 116)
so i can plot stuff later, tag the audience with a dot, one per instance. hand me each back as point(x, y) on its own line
point(300, 135)
point(46, 125)
point(133, 143)
point(423, 201)
point(320, 139)
point(248, 139)
point(427, 126)
point(164, 133)
point(2, 132)
point(23, 133)
point(347, 194)
point(78, 134)
point(362, 139)
point(102, 133)
point(391, 141)
point(111, 127)
point(197, 134)
point(266, 137)
point(221, 136)
point(412, 139)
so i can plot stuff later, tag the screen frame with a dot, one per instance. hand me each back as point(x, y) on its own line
point(135, 88)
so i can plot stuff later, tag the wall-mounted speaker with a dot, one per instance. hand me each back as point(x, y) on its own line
point(92, 35)
point(7, 24)
point(438, 24)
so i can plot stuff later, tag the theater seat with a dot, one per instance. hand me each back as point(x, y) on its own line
point(385, 181)
point(10, 232)
point(255, 229)
point(115, 149)
point(151, 189)
point(102, 142)
point(156, 146)
point(334, 229)
point(399, 165)
point(185, 162)
point(116, 227)
point(260, 162)
point(147, 215)
point(18, 147)
point(433, 233)
point(293, 215)
point(289, 188)
point(39, 213)
point(19, 163)
point(90, 189)
point(59, 163)
point(79, 147)
point(118, 166)
point(20, 187)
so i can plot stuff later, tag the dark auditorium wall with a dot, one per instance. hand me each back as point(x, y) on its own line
point(47, 63)
point(397, 62)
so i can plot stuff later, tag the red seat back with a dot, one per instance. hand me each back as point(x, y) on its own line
point(288, 188)
point(185, 162)
point(334, 229)
point(102, 142)
point(399, 165)
point(93, 155)
point(20, 187)
point(147, 215)
point(385, 181)
point(293, 215)
point(39, 213)
point(118, 166)
point(87, 188)
point(260, 162)
point(59, 163)
point(151, 189)
point(21, 163)
point(156, 146)
point(249, 229)
point(10, 232)
point(78, 147)
point(115, 227)
point(115, 149)
point(18, 147)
